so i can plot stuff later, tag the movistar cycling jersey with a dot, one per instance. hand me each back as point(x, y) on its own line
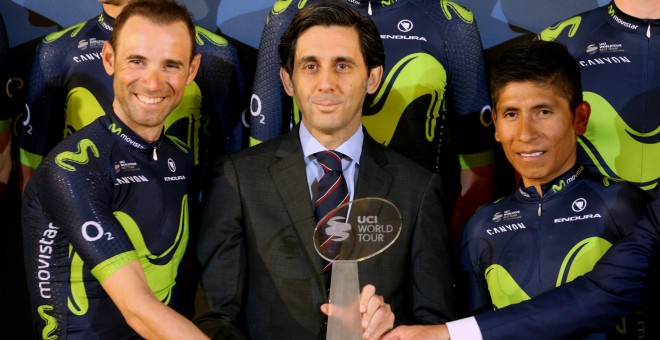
point(5, 114)
point(523, 245)
point(434, 77)
point(69, 88)
point(621, 80)
point(102, 198)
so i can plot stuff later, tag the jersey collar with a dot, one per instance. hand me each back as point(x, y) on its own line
point(561, 184)
point(623, 21)
point(105, 22)
point(113, 124)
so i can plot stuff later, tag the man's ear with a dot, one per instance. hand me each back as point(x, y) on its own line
point(287, 82)
point(194, 67)
point(108, 57)
point(582, 113)
point(493, 114)
point(375, 75)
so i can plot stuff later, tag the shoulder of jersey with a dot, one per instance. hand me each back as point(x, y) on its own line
point(70, 34)
point(204, 37)
point(446, 10)
point(569, 27)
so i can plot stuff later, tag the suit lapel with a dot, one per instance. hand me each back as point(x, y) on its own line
point(288, 173)
point(373, 180)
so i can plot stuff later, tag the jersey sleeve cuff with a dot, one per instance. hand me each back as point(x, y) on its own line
point(29, 159)
point(106, 268)
point(476, 160)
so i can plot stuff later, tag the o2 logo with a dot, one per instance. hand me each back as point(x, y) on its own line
point(93, 231)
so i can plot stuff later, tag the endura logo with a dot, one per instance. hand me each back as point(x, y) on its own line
point(338, 229)
point(405, 25)
point(577, 218)
point(579, 204)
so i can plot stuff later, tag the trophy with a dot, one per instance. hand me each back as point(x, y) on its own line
point(353, 232)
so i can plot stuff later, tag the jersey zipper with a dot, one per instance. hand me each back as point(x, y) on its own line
point(648, 31)
point(369, 9)
point(154, 155)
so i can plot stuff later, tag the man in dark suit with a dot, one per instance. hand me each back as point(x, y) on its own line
point(262, 277)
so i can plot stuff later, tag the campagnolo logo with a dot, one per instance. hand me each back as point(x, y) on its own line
point(579, 204)
point(171, 164)
point(405, 25)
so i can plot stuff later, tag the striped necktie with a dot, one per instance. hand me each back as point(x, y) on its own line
point(332, 188)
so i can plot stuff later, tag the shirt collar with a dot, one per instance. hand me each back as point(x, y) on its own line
point(351, 147)
point(555, 187)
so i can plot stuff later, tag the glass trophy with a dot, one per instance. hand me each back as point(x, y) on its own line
point(353, 232)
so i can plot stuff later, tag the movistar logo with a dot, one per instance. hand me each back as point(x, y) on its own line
point(338, 229)
point(79, 157)
point(462, 12)
point(115, 129)
point(561, 184)
point(551, 33)
point(51, 322)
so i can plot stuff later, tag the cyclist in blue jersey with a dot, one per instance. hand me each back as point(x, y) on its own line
point(616, 46)
point(105, 216)
point(69, 89)
point(562, 219)
point(5, 115)
point(433, 104)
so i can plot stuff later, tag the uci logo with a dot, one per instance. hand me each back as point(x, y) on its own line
point(405, 25)
point(338, 229)
point(579, 204)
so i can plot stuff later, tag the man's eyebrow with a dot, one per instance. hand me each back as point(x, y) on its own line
point(136, 56)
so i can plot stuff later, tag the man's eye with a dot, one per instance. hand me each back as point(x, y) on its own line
point(509, 114)
point(135, 61)
point(544, 112)
point(309, 67)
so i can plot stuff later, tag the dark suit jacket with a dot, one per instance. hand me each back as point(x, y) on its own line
point(592, 302)
point(261, 274)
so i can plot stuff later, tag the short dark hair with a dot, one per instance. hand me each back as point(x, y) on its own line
point(542, 62)
point(332, 13)
point(160, 12)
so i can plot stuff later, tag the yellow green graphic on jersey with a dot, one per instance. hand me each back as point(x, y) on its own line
point(75, 29)
point(160, 269)
point(51, 322)
point(186, 121)
point(618, 150)
point(582, 258)
point(503, 288)
point(82, 108)
point(281, 5)
point(551, 33)
point(415, 76)
point(77, 302)
point(505, 291)
point(462, 12)
point(201, 33)
point(79, 157)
